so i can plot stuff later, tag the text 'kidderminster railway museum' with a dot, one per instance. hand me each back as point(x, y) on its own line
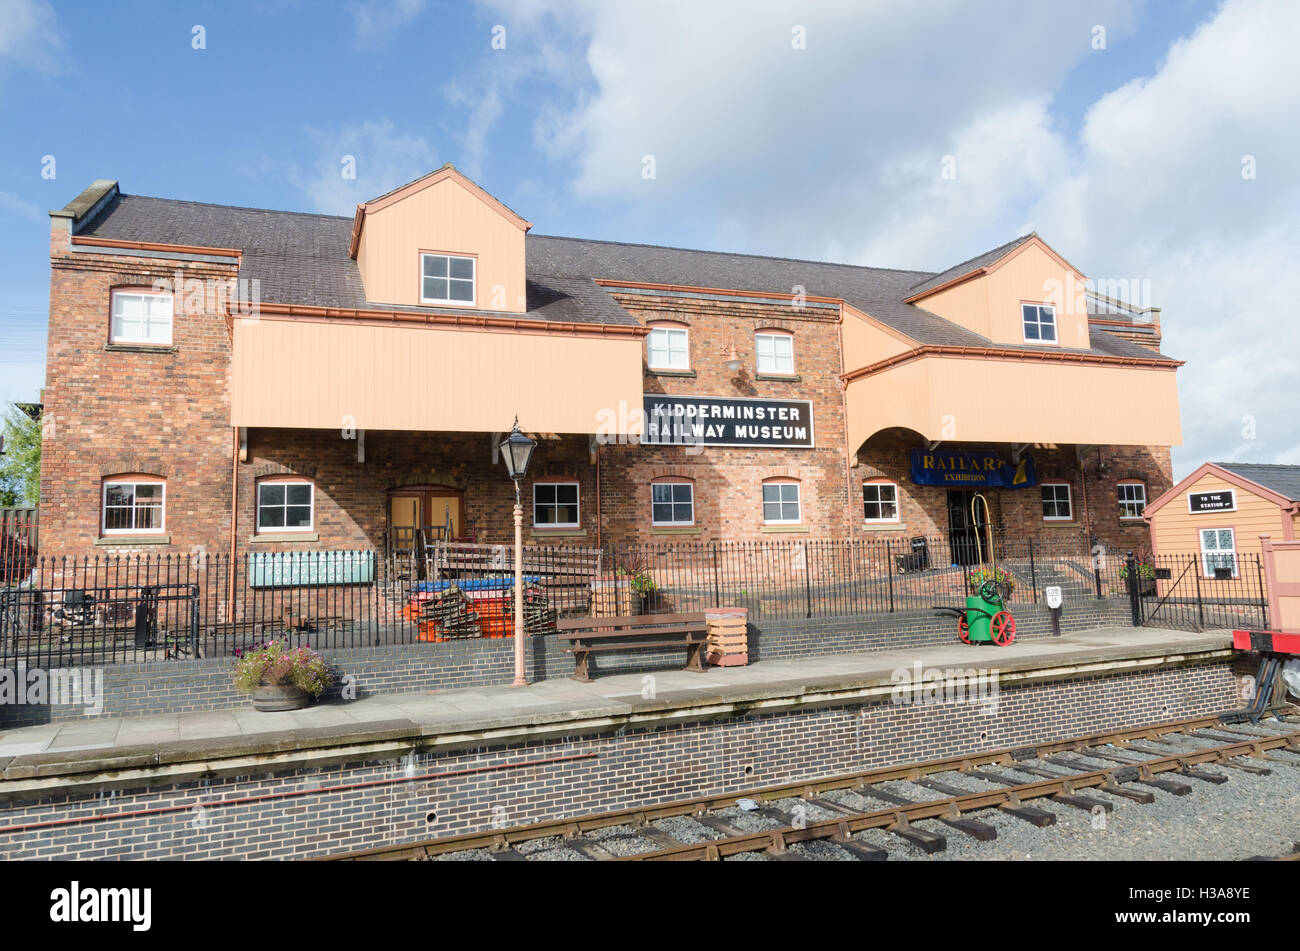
point(351, 384)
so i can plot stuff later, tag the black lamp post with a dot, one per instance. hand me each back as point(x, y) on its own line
point(517, 452)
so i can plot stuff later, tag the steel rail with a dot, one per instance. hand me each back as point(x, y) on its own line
point(497, 840)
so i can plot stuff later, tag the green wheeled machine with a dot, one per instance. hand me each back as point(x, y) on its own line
point(985, 618)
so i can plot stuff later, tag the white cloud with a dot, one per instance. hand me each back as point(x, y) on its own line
point(383, 159)
point(834, 151)
point(13, 204)
point(376, 20)
point(28, 33)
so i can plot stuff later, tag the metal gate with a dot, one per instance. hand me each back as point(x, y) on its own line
point(1197, 591)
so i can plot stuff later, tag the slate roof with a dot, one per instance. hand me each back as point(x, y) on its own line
point(302, 259)
point(972, 264)
point(1284, 480)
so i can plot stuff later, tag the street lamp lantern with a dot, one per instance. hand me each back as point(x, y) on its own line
point(517, 452)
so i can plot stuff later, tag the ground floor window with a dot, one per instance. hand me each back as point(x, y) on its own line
point(555, 505)
point(1132, 499)
point(134, 507)
point(285, 506)
point(1056, 502)
point(1218, 550)
point(672, 503)
point(781, 503)
point(880, 501)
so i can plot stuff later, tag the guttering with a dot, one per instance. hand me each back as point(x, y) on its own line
point(468, 320)
point(88, 241)
point(1002, 353)
point(719, 291)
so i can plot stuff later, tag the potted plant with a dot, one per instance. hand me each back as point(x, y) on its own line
point(280, 677)
point(1146, 573)
point(981, 575)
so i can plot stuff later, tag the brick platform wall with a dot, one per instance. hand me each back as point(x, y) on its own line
point(426, 795)
point(190, 686)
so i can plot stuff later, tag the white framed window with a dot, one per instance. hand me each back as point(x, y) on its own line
point(134, 507)
point(1132, 499)
point(781, 503)
point(880, 501)
point(668, 348)
point(1218, 550)
point(446, 279)
point(141, 317)
point(774, 352)
point(672, 503)
point(1056, 502)
point(285, 506)
point(555, 505)
point(1040, 322)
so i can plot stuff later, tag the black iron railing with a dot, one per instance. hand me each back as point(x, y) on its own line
point(147, 607)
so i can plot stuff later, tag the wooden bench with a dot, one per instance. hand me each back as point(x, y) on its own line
point(591, 634)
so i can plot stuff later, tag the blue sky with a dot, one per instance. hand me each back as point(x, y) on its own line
point(826, 152)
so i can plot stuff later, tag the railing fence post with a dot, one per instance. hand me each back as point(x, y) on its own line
point(889, 571)
point(807, 581)
point(1033, 571)
point(1130, 576)
point(1263, 595)
point(1200, 605)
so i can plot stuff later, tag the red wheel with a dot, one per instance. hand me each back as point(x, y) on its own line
point(963, 629)
point(1003, 627)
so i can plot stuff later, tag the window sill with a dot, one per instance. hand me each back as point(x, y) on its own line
point(884, 527)
point(779, 377)
point(133, 540)
point(269, 539)
point(676, 530)
point(689, 374)
point(558, 533)
point(1061, 524)
point(137, 348)
point(785, 528)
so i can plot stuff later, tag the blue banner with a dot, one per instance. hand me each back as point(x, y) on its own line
point(958, 469)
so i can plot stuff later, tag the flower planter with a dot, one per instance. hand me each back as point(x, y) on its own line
point(272, 698)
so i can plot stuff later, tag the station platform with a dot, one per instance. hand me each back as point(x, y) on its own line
point(131, 752)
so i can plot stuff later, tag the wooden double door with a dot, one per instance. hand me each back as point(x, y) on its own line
point(432, 512)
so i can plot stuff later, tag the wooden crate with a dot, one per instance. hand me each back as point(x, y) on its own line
point(728, 637)
point(613, 598)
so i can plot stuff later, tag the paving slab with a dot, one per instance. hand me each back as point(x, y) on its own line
point(550, 704)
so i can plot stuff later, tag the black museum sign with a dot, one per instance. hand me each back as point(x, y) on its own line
point(727, 421)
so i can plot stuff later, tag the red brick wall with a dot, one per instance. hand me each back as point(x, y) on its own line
point(110, 412)
point(167, 413)
point(728, 481)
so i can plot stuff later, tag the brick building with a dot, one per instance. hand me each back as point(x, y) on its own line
point(233, 380)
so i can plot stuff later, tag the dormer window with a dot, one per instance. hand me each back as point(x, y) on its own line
point(1040, 322)
point(446, 279)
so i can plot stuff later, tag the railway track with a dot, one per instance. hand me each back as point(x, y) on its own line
point(832, 813)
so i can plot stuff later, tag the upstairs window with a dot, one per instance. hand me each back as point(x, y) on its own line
point(774, 352)
point(284, 506)
point(1040, 322)
point(133, 507)
point(1132, 499)
point(141, 318)
point(446, 279)
point(668, 348)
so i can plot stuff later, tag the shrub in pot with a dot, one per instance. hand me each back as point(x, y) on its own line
point(281, 677)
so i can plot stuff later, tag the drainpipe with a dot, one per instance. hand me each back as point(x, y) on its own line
point(844, 420)
point(1087, 513)
point(598, 509)
point(234, 520)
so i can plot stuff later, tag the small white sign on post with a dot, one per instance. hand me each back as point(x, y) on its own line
point(1053, 593)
